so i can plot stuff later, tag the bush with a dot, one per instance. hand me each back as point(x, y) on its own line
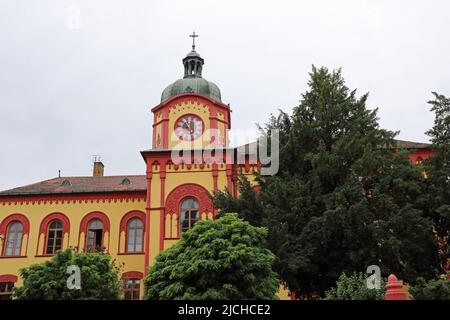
point(435, 289)
point(215, 260)
point(354, 287)
point(48, 280)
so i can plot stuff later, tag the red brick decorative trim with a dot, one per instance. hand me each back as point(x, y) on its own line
point(132, 275)
point(45, 224)
point(94, 215)
point(165, 107)
point(8, 278)
point(177, 195)
point(15, 217)
point(190, 97)
point(147, 220)
point(55, 216)
point(417, 156)
point(130, 215)
point(188, 190)
point(131, 196)
point(229, 172)
point(215, 173)
point(162, 213)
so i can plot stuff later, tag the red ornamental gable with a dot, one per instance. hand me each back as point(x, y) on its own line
point(8, 278)
point(131, 215)
point(55, 216)
point(186, 191)
point(132, 275)
point(15, 217)
point(94, 215)
point(162, 111)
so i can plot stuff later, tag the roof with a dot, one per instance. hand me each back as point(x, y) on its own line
point(412, 145)
point(192, 81)
point(193, 53)
point(127, 183)
point(68, 185)
point(192, 85)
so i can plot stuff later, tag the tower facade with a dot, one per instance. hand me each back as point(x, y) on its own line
point(190, 157)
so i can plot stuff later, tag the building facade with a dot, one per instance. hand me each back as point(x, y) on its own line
point(133, 218)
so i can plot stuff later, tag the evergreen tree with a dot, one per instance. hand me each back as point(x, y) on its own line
point(215, 260)
point(435, 289)
point(438, 171)
point(342, 200)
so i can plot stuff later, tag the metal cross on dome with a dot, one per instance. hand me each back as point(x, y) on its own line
point(193, 36)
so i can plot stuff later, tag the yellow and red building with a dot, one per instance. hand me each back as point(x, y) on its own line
point(135, 217)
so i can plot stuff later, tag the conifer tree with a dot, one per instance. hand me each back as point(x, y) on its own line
point(342, 200)
point(438, 171)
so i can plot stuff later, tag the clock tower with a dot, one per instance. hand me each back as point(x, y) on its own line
point(191, 113)
point(192, 118)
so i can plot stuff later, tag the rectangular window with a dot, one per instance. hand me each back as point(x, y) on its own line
point(6, 290)
point(95, 240)
point(13, 244)
point(132, 288)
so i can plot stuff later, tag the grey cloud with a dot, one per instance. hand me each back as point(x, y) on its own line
point(67, 94)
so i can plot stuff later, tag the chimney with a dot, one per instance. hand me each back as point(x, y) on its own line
point(98, 167)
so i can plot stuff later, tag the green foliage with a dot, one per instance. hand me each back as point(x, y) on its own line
point(436, 289)
point(246, 206)
point(354, 287)
point(440, 133)
point(438, 170)
point(215, 260)
point(341, 200)
point(48, 280)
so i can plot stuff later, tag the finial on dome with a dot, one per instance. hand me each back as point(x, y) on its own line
point(193, 63)
point(192, 81)
point(193, 36)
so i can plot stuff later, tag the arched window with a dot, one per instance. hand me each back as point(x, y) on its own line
point(53, 229)
point(54, 237)
point(94, 232)
point(135, 235)
point(95, 236)
point(188, 214)
point(13, 243)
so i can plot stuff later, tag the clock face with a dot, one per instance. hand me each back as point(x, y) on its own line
point(189, 127)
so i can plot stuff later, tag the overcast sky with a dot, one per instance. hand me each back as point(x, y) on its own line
point(78, 78)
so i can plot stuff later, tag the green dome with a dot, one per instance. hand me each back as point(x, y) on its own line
point(192, 85)
point(193, 53)
point(192, 82)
